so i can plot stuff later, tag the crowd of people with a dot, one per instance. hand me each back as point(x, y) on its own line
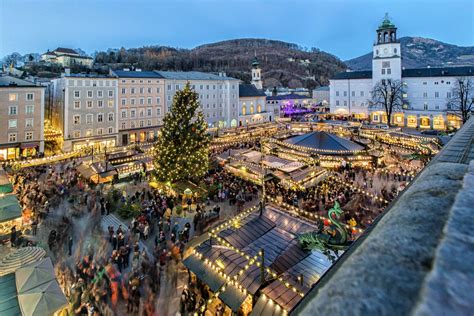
point(116, 269)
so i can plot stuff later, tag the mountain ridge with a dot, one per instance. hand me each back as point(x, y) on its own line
point(421, 52)
point(283, 63)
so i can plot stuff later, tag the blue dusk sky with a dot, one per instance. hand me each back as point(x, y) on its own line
point(345, 28)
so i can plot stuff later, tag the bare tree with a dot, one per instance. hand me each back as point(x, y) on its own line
point(461, 102)
point(388, 95)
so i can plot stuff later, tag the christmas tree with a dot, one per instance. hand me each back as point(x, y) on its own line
point(182, 152)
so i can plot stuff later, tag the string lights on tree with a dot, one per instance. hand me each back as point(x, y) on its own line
point(182, 149)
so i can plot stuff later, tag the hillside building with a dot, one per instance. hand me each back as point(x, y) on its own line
point(427, 89)
point(67, 57)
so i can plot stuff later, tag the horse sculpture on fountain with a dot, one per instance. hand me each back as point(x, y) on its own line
point(332, 238)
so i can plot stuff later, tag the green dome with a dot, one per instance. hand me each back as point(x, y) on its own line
point(255, 62)
point(386, 23)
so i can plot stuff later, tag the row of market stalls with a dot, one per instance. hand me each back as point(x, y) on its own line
point(255, 265)
point(254, 166)
point(10, 209)
point(30, 289)
point(116, 166)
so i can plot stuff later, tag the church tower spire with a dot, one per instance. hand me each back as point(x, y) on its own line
point(256, 73)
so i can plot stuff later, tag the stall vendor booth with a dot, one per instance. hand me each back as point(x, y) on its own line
point(10, 214)
point(97, 172)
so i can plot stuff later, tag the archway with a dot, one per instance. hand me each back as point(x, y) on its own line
point(233, 123)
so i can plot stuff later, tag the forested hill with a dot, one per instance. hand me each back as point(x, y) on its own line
point(419, 52)
point(283, 64)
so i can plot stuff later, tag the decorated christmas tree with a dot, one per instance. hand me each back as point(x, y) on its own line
point(181, 152)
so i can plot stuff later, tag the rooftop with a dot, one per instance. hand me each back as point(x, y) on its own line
point(276, 233)
point(249, 90)
point(324, 141)
point(291, 96)
point(11, 81)
point(137, 74)
point(191, 75)
point(323, 88)
point(416, 72)
point(65, 50)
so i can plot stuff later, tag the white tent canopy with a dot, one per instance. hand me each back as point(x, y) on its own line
point(19, 258)
point(34, 274)
point(45, 299)
point(38, 290)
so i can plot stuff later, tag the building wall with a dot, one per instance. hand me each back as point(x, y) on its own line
point(321, 96)
point(253, 110)
point(350, 96)
point(219, 99)
point(141, 108)
point(386, 62)
point(90, 111)
point(22, 121)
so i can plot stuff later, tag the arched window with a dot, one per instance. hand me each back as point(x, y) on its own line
point(385, 37)
point(392, 36)
point(244, 109)
point(394, 50)
point(380, 38)
point(251, 109)
point(377, 52)
point(259, 108)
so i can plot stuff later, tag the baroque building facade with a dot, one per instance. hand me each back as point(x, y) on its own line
point(426, 90)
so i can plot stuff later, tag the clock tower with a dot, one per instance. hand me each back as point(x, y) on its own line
point(386, 61)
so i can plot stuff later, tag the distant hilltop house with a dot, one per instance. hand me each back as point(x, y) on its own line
point(66, 57)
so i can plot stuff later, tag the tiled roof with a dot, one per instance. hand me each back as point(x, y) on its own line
point(10, 81)
point(249, 90)
point(353, 75)
point(416, 72)
point(65, 50)
point(191, 75)
point(137, 74)
point(291, 96)
point(439, 72)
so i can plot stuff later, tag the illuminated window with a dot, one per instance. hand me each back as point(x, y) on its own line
point(12, 97)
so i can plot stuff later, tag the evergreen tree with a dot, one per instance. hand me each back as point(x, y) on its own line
point(182, 152)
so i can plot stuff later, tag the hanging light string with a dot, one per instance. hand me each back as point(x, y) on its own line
point(356, 188)
point(306, 214)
